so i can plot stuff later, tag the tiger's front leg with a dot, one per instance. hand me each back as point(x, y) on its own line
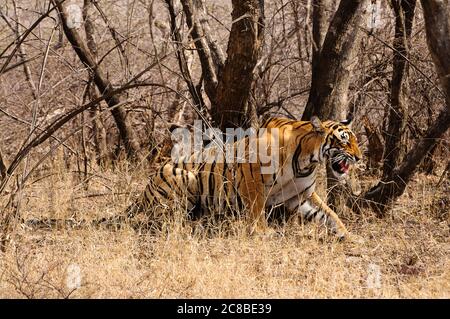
point(332, 220)
point(314, 209)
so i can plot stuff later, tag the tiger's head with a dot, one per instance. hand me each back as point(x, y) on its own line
point(309, 143)
point(340, 147)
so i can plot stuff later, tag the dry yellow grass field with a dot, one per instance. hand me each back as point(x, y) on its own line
point(405, 255)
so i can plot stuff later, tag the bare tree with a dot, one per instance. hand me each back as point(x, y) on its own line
point(211, 58)
point(203, 49)
point(437, 26)
point(228, 82)
point(99, 131)
point(23, 54)
point(404, 15)
point(232, 105)
point(104, 86)
point(330, 80)
point(322, 12)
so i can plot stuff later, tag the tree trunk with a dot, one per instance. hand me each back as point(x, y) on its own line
point(204, 50)
point(208, 69)
point(330, 81)
point(229, 83)
point(322, 11)
point(104, 86)
point(428, 165)
point(437, 26)
point(89, 27)
point(404, 15)
point(98, 129)
point(233, 102)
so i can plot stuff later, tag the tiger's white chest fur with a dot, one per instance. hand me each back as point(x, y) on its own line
point(288, 187)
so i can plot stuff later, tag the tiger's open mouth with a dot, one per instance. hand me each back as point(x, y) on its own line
point(341, 167)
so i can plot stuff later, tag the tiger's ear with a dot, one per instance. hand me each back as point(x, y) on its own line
point(316, 124)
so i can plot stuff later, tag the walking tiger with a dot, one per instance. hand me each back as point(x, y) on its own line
point(245, 185)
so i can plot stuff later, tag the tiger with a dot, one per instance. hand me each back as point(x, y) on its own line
point(244, 185)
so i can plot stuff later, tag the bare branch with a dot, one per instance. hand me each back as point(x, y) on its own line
point(104, 86)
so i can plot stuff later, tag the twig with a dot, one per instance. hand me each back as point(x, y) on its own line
point(22, 38)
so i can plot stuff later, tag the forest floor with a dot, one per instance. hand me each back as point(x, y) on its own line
point(404, 255)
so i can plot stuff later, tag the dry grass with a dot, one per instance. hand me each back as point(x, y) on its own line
point(410, 248)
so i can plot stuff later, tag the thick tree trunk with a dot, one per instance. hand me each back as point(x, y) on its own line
point(232, 102)
point(404, 15)
point(437, 26)
point(104, 86)
point(228, 83)
point(329, 85)
point(322, 11)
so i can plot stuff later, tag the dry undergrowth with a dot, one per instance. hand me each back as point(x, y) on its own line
point(404, 255)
